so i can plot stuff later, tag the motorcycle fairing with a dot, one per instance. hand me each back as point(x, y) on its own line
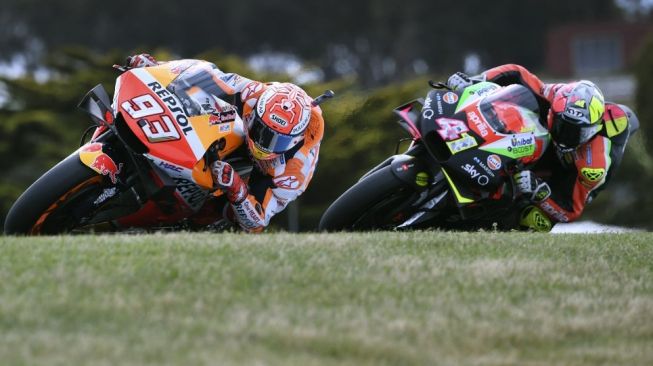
point(192, 187)
point(502, 122)
point(411, 171)
point(409, 117)
point(94, 155)
point(169, 131)
point(98, 105)
point(474, 92)
point(179, 123)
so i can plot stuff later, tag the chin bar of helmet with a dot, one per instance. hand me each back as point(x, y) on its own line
point(327, 94)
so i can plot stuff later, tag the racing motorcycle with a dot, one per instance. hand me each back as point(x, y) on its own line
point(457, 171)
point(147, 162)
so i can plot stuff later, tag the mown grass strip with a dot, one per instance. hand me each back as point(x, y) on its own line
point(327, 299)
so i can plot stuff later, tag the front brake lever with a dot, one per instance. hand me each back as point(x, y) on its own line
point(327, 94)
point(121, 68)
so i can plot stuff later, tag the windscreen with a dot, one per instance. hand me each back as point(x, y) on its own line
point(511, 109)
point(198, 90)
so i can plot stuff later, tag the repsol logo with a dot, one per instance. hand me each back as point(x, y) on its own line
point(190, 192)
point(174, 107)
point(247, 216)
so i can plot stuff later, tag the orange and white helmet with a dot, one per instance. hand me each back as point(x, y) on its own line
point(278, 120)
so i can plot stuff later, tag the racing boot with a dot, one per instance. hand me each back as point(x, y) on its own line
point(532, 218)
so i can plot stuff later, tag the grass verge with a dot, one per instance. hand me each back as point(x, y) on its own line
point(419, 298)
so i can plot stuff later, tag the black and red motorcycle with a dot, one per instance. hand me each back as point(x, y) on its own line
point(457, 171)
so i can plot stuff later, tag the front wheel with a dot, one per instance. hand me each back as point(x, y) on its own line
point(379, 201)
point(54, 203)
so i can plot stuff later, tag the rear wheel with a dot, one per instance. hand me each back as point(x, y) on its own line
point(58, 201)
point(380, 201)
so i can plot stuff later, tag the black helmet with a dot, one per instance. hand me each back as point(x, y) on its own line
point(577, 110)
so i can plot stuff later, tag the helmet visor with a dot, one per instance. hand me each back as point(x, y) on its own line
point(570, 134)
point(268, 140)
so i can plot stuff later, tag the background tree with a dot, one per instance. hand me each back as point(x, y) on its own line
point(375, 39)
point(376, 55)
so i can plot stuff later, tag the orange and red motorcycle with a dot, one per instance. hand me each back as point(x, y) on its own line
point(147, 162)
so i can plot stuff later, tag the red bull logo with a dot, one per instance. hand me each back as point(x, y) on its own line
point(104, 165)
point(92, 156)
point(91, 147)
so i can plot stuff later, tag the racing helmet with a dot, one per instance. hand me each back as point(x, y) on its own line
point(577, 110)
point(278, 121)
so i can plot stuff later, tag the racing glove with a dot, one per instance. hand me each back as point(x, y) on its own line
point(142, 60)
point(531, 186)
point(459, 81)
point(227, 179)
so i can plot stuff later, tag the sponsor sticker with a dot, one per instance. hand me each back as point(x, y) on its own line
point(481, 179)
point(552, 211)
point(463, 143)
point(404, 167)
point(451, 129)
point(521, 146)
point(288, 182)
point(422, 179)
point(494, 162)
point(168, 166)
point(280, 121)
point(93, 156)
point(191, 193)
point(222, 117)
point(106, 194)
point(175, 108)
point(450, 98)
point(482, 127)
point(489, 171)
point(485, 90)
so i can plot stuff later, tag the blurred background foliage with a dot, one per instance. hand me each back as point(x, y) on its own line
point(375, 55)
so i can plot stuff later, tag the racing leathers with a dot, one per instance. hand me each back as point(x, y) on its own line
point(278, 181)
point(275, 182)
point(576, 177)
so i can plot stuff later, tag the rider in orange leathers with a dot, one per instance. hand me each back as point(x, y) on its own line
point(589, 137)
point(284, 131)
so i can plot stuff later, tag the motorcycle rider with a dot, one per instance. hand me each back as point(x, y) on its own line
point(589, 137)
point(284, 131)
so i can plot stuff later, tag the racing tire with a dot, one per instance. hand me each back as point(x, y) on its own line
point(49, 206)
point(379, 201)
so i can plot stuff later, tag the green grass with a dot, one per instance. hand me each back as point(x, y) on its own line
point(327, 299)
